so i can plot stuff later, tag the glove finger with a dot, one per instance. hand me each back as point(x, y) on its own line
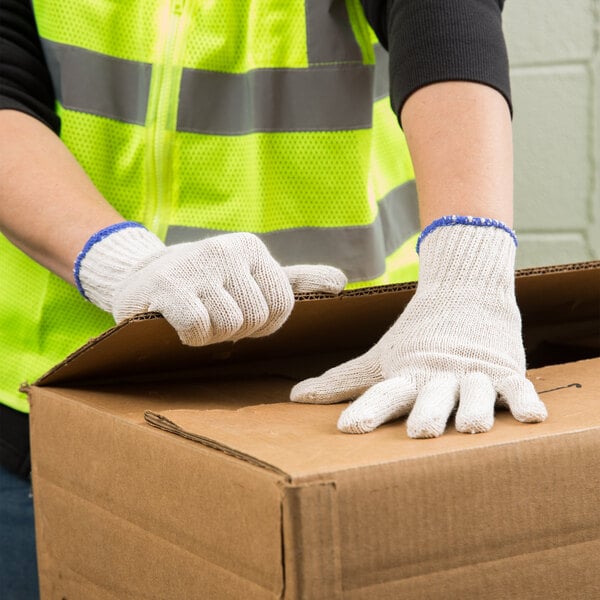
point(208, 318)
point(475, 412)
point(385, 401)
point(307, 279)
point(253, 306)
point(432, 408)
point(522, 399)
point(276, 291)
point(188, 316)
point(344, 382)
point(226, 317)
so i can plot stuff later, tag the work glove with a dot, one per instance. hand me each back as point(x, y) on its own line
point(222, 288)
point(458, 342)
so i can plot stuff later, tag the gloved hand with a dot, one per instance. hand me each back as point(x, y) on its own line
point(457, 341)
point(223, 288)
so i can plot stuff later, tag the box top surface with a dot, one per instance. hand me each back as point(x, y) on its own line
point(302, 441)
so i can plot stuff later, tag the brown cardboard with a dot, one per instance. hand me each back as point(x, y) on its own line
point(162, 471)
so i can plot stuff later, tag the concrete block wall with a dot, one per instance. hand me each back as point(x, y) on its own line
point(554, 51)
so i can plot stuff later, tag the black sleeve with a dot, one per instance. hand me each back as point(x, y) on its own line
point(25, 83)
point(440, 40)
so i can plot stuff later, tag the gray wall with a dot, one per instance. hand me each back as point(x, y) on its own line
point(554, 50)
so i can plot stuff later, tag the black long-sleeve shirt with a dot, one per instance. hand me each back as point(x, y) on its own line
point(428, 41)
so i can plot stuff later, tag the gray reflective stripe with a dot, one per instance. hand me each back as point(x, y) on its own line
point(329, 35)
point(399, 214)
point(329, 97)
point(360, 251)
point(314, 99)
point(382, 78)
point(98, 84)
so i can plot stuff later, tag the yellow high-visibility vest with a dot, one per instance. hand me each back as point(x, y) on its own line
point(199, 118)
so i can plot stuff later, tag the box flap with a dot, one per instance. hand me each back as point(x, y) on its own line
point(274, 435)
point(557, 304)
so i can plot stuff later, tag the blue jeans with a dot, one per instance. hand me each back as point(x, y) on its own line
point(18, 564)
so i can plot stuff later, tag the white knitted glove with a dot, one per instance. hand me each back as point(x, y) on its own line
point(223, 288)
point(457, 341)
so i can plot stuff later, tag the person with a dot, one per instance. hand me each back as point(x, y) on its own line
point(208, 161)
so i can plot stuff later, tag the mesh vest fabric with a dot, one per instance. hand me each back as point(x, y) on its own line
point(198, 118)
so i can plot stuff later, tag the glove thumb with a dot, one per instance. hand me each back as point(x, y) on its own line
point(344, 382)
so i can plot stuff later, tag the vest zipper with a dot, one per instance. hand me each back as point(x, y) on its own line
point(161, 120)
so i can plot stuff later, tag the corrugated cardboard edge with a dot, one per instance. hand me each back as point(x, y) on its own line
point(412, 285)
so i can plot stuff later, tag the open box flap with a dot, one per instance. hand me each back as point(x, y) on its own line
point(557, 303)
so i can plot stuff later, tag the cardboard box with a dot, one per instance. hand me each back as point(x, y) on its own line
point(162, 471)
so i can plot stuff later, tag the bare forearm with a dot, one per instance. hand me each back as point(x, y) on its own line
point(460, 139)
point(48, 206)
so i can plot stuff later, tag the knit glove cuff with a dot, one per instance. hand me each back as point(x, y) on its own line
point(467, 253)
point(110, 256)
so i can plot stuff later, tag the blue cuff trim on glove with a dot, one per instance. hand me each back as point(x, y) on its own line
point(460, 220)
point(98, 237)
